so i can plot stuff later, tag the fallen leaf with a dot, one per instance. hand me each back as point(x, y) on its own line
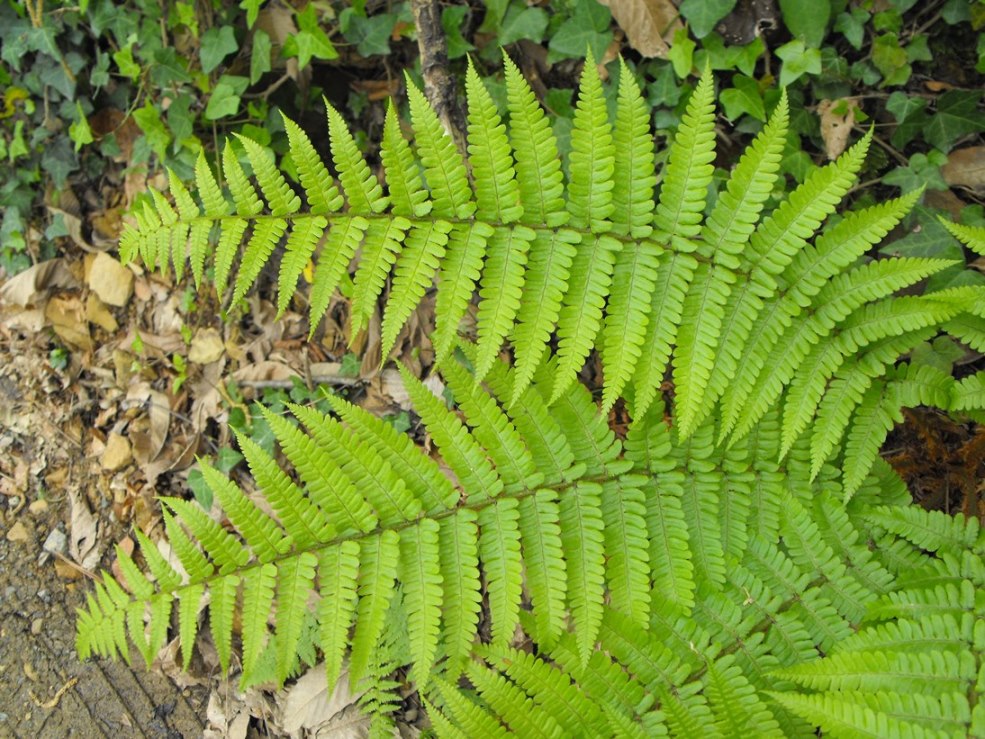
point(148, 436)
point(648, 23)
point(308, 705)
point(67, 316)
point(207, 346)
point(97, 313)
point(110, 280)
point(837, 119)
point(117, 453)
point(84, 532)
point(18, 534)
point(965, 167)
point(33, 285)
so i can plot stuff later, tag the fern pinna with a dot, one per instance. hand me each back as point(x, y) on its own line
point(736, 295)
point(670, 587)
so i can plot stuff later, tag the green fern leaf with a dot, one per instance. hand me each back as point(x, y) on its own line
point(538, 165)
point(379, 557)
point(444, 169)
point(461, 598)
point(320, 191)
point(300, 246)
point(407, 193)
point(543, 554)
point(582, 541)
point(677, 218)
point(500, 291)
point(295, 577)
point(337, 572)
point(457, 279)
point(548, 269)
point(421, 576)
point(258, 597)
point(496, 190)
point(363, 192)
point(499, 550)
point(416, 267)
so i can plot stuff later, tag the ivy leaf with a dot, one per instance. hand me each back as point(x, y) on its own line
point(150, 122)
point(224, 100)
point(523, 23)
point(79, 131)
point(957, 115)
point(911, 117)
point(125, 63)
point(743, 97)
point(588, 28)
point(703, 15)
point(252, 8)
point(806, 19)
point(924, 170)
point(890, 59)
point(310, 41)
point(681, 53)
point(798, 60)
point(370, 35)
point(260, 56)
point(851, 25)
point(217, 44)
point(452, 20)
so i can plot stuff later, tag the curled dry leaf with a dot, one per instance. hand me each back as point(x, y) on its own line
point(837, 119)
point(965, 167)
point(83, 541)
point(308, 705)
point(648, 24)
point(32, 286)
point(148, 436)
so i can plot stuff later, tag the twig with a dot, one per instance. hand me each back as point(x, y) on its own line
point(315, 380)
point(439, 84)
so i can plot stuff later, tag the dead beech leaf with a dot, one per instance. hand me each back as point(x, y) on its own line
point(32, 286)
point(110, 280)
point(207, 346)
point(308, 705)
point(965, 167)
point(149, 433)
point(67, 316)
point(647, 24)
point(83, 540)
point(837, 119)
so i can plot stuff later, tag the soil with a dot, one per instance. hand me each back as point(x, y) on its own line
point(45, 690)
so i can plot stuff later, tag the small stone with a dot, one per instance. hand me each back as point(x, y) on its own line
point(36, 626)
point(56, 542)
point(44, 595)
point(117, 454)
point(38, 507)
point(18, 533)
point(110, 280)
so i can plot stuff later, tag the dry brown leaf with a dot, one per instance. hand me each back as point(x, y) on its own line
point(110, 280)
point(965, 167)
point(117, 453)
point(308, 705)
point(97, 313)
point(32, 286)
point(837, 119)
point(649, 24)
point(149, 433)
point(207, 346)
point(67, 316)
point(83, 540)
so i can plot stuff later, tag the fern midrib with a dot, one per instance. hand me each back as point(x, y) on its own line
point(558, 487)
point(585, 232)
